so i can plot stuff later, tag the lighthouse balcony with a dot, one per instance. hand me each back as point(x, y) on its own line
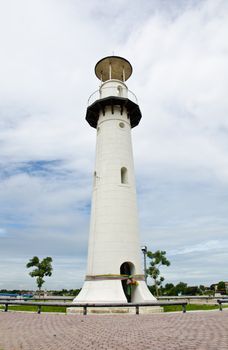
point(113, 95)
point(112, 90)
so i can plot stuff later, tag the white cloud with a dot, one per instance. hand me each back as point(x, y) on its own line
point(202, 247)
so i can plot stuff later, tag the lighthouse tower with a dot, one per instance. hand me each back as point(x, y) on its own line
point(114, 273)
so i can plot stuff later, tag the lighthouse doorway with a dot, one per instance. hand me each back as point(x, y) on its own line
point(127, 268)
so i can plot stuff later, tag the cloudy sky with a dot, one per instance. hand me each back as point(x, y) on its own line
point(179, 53)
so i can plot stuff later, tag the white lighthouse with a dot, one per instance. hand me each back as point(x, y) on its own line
point(114, 273)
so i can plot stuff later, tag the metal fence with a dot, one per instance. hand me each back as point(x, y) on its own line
point(85, 307)
point(162, 301)
point(96, 95)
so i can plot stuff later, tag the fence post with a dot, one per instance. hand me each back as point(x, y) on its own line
point(39, 309)
point(137, 310)
point(85, 310)
point(184, 308)
point(6, 307)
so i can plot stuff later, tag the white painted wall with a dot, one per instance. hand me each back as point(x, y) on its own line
point(114, 225)
point(113, 87)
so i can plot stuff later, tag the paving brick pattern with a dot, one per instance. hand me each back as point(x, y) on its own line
point(30, 331)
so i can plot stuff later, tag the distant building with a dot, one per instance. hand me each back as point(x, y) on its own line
point(214, 286)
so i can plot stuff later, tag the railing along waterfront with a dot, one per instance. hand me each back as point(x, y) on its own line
point(63, 298)
point(220, 302)
point(162, 301)
point(194, 298)
point(188, 298)
point(137, 306)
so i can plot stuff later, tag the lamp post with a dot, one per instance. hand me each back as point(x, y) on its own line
point(144, 250)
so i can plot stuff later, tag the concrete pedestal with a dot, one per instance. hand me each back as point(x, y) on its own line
point(115, 310)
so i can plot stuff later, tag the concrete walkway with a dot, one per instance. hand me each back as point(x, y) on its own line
point(169, 331)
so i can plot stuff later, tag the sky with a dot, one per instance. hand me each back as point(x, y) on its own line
point(179, 53)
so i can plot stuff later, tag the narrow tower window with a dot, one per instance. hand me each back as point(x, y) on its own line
point(124, 178)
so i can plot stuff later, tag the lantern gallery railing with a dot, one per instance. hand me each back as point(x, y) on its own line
point(111, 91)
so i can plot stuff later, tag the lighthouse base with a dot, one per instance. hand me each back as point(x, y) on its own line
point(112, 291)
point(114, 310)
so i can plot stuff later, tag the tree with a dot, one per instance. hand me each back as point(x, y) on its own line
point(169, 289)
point(202, 289)
point(43, 268)
point(181, 288)
point(157, 260)
point(221, 287)
point(192, 290)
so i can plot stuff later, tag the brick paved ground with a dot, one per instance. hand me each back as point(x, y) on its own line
point(30, 331)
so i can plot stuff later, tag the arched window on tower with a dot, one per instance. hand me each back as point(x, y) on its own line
point(124, 177)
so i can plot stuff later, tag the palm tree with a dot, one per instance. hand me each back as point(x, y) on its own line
point(43, 268)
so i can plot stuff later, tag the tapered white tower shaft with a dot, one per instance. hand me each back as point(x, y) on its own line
point(114, 248)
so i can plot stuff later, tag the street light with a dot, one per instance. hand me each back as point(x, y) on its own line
point(144, 250)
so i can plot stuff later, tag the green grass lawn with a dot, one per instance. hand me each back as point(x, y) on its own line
point(34, 308)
